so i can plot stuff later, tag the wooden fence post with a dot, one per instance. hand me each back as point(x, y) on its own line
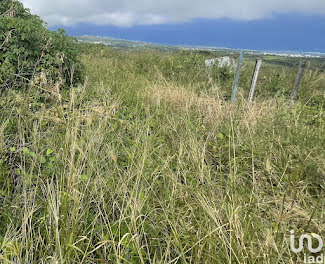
point(254, 81)
point(235, 88)
point(302, 67)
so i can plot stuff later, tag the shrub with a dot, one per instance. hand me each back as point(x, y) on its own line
point(28, 49)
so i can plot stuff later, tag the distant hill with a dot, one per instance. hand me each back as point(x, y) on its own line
point(122, 43)
point(130, 44)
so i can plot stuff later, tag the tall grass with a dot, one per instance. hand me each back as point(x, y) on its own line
point(140, 165)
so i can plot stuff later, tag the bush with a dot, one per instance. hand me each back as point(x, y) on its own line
point(29, 50)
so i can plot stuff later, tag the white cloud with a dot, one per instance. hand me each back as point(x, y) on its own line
point(132, 12)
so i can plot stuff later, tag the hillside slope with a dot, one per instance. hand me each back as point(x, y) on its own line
point(149, 162)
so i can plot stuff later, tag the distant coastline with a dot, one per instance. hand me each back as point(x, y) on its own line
point(116, 42)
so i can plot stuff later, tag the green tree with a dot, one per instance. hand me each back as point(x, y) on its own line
point(28, 49)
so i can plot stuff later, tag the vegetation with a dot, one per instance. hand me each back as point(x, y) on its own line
point(30, 52)
point(148, 161)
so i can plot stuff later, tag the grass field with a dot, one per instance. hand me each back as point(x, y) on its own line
point(150, 162)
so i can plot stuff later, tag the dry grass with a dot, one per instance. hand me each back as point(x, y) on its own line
point(143, 170)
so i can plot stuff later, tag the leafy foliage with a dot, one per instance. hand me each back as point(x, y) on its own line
point(28, 50)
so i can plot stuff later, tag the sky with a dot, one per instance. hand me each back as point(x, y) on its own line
point(296, 25)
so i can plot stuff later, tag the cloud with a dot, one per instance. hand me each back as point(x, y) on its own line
point(135, 12)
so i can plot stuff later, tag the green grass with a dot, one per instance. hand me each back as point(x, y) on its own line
point(149, 162)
